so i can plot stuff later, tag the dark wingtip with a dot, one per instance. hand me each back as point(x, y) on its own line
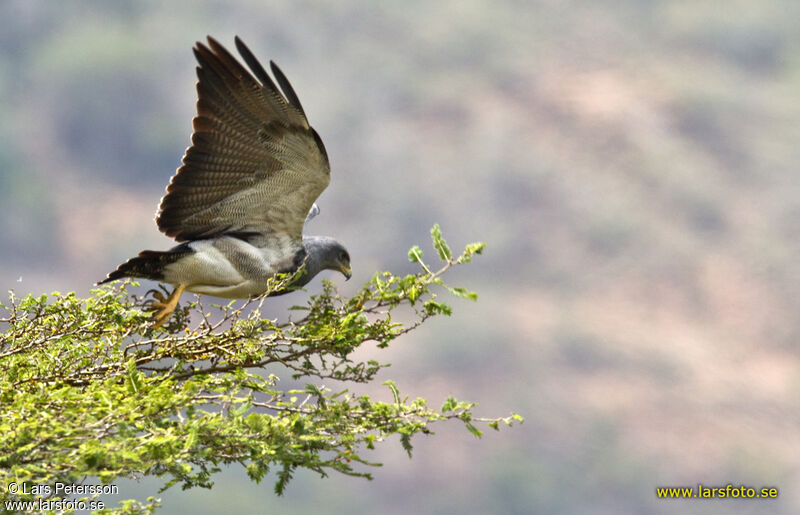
point(108, 279)
point(255, 66)
point(286, 87)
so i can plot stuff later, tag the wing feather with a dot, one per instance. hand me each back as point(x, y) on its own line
point(255, 165)
point(286, 87)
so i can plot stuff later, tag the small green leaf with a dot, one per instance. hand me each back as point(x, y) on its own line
point(449, 404)
point(475, 248)
point(437, 308)
point(415, 254)
point(241, 409)
point(255, 422)
point(405, 441)
point(413, 294)
point(464, 293)
point(474, 430)
point(191, 438)
point(439, 244)
point(134, 377)
point(395, 391)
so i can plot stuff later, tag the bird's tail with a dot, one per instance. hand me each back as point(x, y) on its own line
point(149, 264)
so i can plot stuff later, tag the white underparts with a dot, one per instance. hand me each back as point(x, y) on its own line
point(228, 267)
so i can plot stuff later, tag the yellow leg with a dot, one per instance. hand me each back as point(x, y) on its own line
point(164, 307)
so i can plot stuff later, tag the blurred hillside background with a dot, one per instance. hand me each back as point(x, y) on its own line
point(632, 166)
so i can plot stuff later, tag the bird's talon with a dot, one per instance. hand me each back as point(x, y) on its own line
point(153, 305)
point(156, 294)
point(159, 318)
point(164, 307)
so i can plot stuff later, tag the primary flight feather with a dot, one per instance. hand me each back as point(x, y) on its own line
point(246, 187)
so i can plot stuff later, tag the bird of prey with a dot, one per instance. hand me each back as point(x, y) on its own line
point(247, 185)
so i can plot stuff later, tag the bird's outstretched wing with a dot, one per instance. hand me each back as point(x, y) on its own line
point(255, 165)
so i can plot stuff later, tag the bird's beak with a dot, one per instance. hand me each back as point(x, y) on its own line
point(346, 271)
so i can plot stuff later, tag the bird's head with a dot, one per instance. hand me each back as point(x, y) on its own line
point(327, 254)
point(341, 261)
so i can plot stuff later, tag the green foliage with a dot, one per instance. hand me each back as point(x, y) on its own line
point(439, 244)
point(87, 388)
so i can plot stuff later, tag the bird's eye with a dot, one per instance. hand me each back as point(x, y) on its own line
point(343, 257)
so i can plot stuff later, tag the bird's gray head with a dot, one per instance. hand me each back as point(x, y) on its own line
point(326, 254)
